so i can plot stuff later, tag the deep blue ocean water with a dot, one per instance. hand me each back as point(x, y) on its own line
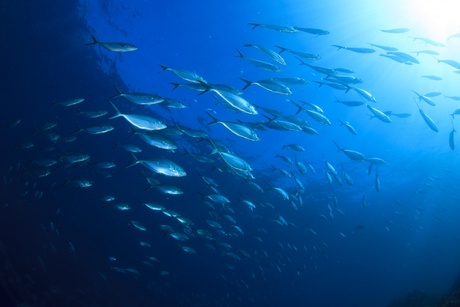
point(329, 244)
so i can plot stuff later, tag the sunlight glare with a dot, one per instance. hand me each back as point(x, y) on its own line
point(437, 19)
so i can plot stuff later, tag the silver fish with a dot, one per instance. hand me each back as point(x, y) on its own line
point(161, 166)
point(428, 120)
point(142, 99)
point(237, 129)
point(270, 53)
point(355, 49)
point(379, 114)
point(187, 75)
point(114, 46)
point(258, 63)
point(286, 29)
point(269, 85)
point(143, 122)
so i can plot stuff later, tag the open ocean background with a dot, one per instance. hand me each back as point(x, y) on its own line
point(394, 231)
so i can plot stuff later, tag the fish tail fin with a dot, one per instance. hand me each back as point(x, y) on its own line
point(116, 110)
point(248, 83)
point(77, 131)
point(269, 119)
point(203, 196)
point(299, 107)
point(78, 111)
point(338, 47)
point(119, 93)
point(136, 161)
point(240, 55)
point(341, 123)
point(94, 42)
point(282, 49)
point(175, 85)
point(214, 120)
point(338, 147)
point(133, 132)
point(254, 25)
point(163, 68)
point(301, 61)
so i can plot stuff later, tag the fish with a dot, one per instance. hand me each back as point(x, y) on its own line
point(320, 69)
point(237, 129)
point(348, 126)
point(113, 46)
point(270, 85)
point(285, 29)
point(93, 114)
point(451, 63)
point(154, 206)
point(433, 94)
point(404, 56)
point(169, 189)
point(312, 31)
point(425, 98)
point(295, 147)
point(305, 55)
point(432, 77)
point(352, 154)
point(429, 41)
point(319, 117)
point(456, 112)
point(386, 48)
point(281, 124)
point(377, 181)
point(142, 99)
point(157, 140)
point(355, 49)
point(291, 81)
point(396, 58)
point(344, 70)
point(346, 177)
point(69, 103)
point(186, 75)
point(345, 79)
point(138, 225)
point(365, 94)
point(235, 101)
point(456, 98)
point(400, 115)
point(81, 182)
point(179, 236)
point(430, 52)
point(452, 139)
point(173, 103)
point(334, 85)
point(258, 63)
point(396, 30)
point(428, 120)
point(301, 108)
point(232, 160)
point(96, 129)
point(270, 53)
point(350, 103)
point(143, 122)
point(285, 159)
point(160, 166)
point(379, 114)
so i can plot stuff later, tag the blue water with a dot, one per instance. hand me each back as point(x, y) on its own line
point(341, 245)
